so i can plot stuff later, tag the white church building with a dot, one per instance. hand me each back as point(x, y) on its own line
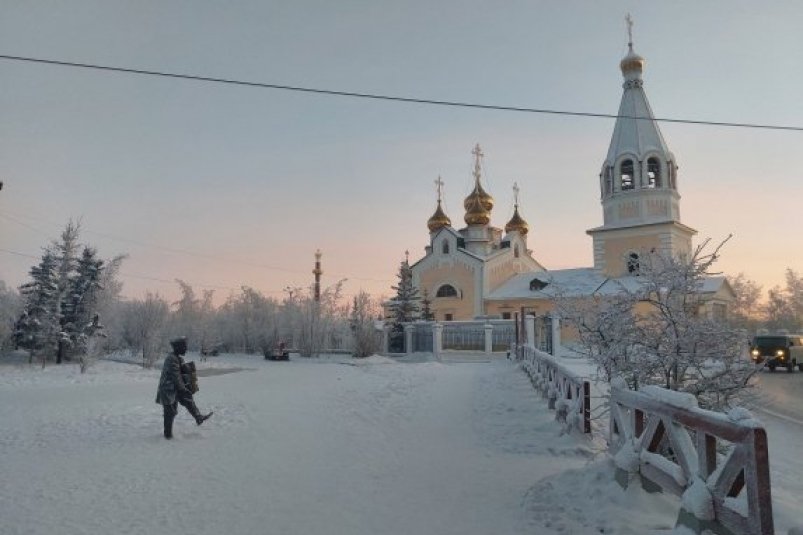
point(482, 271)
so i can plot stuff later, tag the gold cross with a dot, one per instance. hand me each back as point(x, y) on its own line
point(516, 193)
point(629, 22)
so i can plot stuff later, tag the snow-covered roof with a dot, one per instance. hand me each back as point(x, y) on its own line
point(567, 282)
point(578, 282)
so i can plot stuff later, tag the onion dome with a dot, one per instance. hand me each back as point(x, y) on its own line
point(476, 214)
point(517, 223)
point(632, 63)
point(485, 199)
point(439, 219)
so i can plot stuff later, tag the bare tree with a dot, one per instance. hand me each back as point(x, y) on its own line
point(653, 332)
point(363, 313)
point(145, 323)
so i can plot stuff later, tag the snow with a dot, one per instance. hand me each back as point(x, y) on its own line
point(698, 501)
point(330, 445)
point(681, 400)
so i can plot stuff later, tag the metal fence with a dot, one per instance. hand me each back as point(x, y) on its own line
point(463, 336)
point(422, 337)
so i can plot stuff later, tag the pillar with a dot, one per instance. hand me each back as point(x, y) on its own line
point(529, 328)
point(489, 334)
point(408, 338)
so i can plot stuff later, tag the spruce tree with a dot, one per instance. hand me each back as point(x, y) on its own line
point(38, 326)
point(404, 306)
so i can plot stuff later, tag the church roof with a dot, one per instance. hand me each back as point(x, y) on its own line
point(638, 137)
point(577, 282)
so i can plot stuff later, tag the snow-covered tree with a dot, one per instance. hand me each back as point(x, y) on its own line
point(362, 321)
point(247, 321)
point(324, 324)
point(745, 310)
point(185, 320)
point(784, 307)
point(79, 317)
point(144, 326)
point(404, 305)
point(10, 310)
point(653, 333)
point(38, 328)
point(65, 251)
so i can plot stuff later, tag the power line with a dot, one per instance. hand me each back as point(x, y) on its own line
point(375, 96)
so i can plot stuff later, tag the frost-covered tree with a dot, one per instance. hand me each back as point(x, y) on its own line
point(784, 307)
point(144, 326)
point(65, 251)
point(185, 320)
point(247, 321)
point(404, 305)
point(363, 311)
point(653, 333)
point(79, 316)
point(323, 324)
point(745, 310)
point(10, 310)
point(38, 328)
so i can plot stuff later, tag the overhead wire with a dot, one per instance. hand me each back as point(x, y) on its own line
point(389, 98)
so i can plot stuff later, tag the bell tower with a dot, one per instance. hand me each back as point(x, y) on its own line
point(638, 183)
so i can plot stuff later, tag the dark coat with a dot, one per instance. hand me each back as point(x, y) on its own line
point(171, 382)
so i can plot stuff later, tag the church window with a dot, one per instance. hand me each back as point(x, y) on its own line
point(626, 176)
point(537, 284)
point(447, 290)
point(516, 251)
point(505, 315)
point(445, 247)
point(633, 263)
point(448, 317)
point(653, 173)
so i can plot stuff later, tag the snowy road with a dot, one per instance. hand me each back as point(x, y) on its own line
point(305, 447)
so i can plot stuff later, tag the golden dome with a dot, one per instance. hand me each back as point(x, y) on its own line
point(476, 214)
point(632, 63)
point(485, 199)
point(517, 223)
point(439, 219)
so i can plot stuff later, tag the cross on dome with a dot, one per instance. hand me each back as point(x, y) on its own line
point(516, 193)
point(629, 22)
point(477, 152)
point(439, 185)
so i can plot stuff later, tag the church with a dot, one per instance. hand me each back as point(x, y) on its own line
point(481, 271)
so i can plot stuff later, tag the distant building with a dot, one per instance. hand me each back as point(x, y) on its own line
point(484, 271)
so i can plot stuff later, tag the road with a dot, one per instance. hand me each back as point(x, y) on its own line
point(781, 396)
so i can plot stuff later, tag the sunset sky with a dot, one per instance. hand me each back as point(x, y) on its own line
point(224, 186)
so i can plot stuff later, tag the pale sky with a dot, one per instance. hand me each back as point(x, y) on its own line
point(249, 182)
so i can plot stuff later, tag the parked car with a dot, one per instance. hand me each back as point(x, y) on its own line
point(778, 350)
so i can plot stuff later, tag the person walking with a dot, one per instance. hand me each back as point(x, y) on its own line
point(174, 389)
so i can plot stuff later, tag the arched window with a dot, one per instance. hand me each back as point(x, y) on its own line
point(608, 180)
point(633, 263)
point(516, 251)
point(653, 173)
point(626, 175)
point(445, 247)
point(447, 290)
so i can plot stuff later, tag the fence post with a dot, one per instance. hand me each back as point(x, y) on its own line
point(408, 338)
point(437, 339)
point(555, 332)
point(529, 325)
point(489, 335)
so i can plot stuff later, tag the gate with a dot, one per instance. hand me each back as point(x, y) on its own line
point(422, 338)
point(396, 341)
point(503, 337)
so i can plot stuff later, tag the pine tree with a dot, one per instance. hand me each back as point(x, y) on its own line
point(404, 306)
point(78, 310)
point(38, 327)
point(65, 252)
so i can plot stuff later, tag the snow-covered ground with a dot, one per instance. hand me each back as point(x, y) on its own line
point(310, 446)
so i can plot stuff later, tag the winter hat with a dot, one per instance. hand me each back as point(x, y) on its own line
point(181, 341)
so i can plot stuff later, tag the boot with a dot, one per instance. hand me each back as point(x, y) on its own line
point(201, 418)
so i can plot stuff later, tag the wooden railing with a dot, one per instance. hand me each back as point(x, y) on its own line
point(717, 463)
point(567, 393)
